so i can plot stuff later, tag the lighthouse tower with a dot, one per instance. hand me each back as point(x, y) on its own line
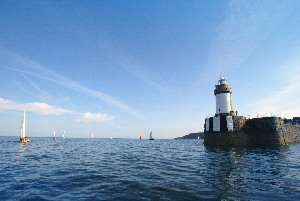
point(222, 122)
point(223, 93)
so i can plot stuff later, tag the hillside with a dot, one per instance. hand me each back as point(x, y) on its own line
point(192, 136)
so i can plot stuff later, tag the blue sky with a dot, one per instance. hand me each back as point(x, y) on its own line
point(121, 68)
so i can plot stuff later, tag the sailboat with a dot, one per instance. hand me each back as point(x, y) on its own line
point(23, 137)
point(141, 136)
point(64, 134)
point(54, 135)
point(151, 138)
point(92, 135)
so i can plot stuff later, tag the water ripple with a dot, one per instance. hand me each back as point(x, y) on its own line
point(103, 169)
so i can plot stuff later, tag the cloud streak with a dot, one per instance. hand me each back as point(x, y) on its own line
point(124, 59)
point(36, 107)
point(133, 66)
point(280, 103)
point(47, 109)
point(286, 100)
point(28, 67)
point(244, 28)
point(97, 117)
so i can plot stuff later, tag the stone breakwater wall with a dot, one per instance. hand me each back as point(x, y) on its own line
point(256, 131)
point(291, 133)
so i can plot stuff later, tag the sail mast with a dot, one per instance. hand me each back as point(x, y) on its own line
point(21, 130)
point(24, 125)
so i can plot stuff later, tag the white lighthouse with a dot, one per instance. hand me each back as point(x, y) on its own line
point(223, 121)
point(223, 93)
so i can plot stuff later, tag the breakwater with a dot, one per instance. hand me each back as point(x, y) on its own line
point(256, 131)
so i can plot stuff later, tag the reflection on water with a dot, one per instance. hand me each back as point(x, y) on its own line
point(22, 148)
point(223, 171)
point(254, 173)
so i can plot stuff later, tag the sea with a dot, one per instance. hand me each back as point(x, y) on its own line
point(130, 169)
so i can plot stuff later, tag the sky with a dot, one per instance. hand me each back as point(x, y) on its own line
point(121, 68)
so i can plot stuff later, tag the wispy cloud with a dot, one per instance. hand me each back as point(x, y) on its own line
point(245, 26)
point(284, 101)
point(97, 117)
point(28, 67)
point(125, 60)
point(36, 107)
point(31, 87)
point(47, 109)
point(280, 103)
point(35, 86)
point(135, 67)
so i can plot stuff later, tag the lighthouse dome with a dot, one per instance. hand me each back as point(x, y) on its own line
point(222, 80)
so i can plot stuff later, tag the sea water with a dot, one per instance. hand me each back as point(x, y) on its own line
point(123, 169)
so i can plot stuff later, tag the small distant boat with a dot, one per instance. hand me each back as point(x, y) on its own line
point(23, 137)
point(64, 134)
point(110, 138)
point(141, 136)
point(198, 137)
point(92, 135)
point(151, 137)
point(54, 135)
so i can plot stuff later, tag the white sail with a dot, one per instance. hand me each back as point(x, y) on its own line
point(23, 137)
point(92, 135)
point(24, 125)
point(54, 134)
point(21, 130)
point(64, 134)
